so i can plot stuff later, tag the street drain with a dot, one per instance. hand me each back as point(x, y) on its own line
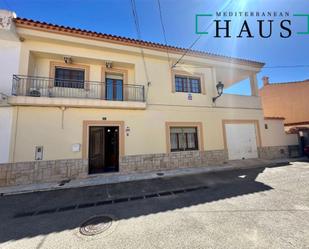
point(95, 225)
point(62, 183)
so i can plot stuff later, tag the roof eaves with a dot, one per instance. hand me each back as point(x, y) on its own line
point(289, 82)
point(152, 45)
point(297, 123)
point(268, 118)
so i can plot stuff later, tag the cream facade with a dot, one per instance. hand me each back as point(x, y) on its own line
point(54, 121)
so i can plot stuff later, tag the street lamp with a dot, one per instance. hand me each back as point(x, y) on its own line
point(219, 87)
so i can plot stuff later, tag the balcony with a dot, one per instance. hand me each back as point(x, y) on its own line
point(34, 90)
point(239, 101)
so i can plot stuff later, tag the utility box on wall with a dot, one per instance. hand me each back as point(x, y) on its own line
point(39, 153)
point(76, 147)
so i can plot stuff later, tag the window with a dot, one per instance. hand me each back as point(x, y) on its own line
point(183, 138)
point(187, 84)
point(114, 86)
point(67, 77)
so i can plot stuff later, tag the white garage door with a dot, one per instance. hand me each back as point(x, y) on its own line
point(241, 141)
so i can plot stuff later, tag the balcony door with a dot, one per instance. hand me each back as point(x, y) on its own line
point(114, 87)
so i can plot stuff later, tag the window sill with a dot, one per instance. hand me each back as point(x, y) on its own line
point(184, 150)
point(190, 93)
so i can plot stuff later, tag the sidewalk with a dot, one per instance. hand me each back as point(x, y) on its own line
point(118, 178)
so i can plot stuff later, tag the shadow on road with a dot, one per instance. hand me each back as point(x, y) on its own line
point(47, 213)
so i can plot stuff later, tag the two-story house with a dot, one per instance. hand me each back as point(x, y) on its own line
point(78, 102)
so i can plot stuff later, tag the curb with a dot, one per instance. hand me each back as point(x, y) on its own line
point(43, 187)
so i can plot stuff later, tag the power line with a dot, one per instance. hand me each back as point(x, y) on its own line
point(138, 31)
point(163, 30)
point(291, 66)
point(198, 38)
point(277, 66)
point(190, 47)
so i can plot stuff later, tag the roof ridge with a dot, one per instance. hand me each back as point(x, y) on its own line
point(273, 117)
point(31, 22)
point(289, 82)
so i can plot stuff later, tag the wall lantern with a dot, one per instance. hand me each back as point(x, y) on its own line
point(108, 64)
point(219, 87)
point(67, 59)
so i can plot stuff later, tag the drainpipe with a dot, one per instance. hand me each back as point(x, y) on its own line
point(62, 108)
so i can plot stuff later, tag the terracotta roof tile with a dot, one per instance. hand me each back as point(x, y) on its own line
point(289, 82)
point(23, 22)
point(297, 123)
point(274, 118)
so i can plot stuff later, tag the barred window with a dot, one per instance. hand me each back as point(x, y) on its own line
point(183, 138)
point(187, 84)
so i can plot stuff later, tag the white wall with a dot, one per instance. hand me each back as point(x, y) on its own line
point(6, 117)
point(275, 134)
point(9, 61)
point(10, 48)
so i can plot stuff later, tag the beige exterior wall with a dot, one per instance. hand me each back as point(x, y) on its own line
point(43, 126)
point(57, 124)
point(158, 70)
point(95, 54)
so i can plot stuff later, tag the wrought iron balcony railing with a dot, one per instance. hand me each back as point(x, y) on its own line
point(35, 86)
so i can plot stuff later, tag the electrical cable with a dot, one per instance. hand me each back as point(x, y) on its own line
point(198, 38)
point(163, 30)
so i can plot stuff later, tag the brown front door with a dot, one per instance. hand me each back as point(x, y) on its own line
point(103, 149)
point(111, 148)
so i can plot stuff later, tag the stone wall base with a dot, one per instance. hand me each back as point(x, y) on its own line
point(12, 174)
point(42, 171)
point(174, 160)
point(277, 152)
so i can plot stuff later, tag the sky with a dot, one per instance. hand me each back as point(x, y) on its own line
point(115, 17)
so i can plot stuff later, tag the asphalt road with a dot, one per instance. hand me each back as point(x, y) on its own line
point(254, 208)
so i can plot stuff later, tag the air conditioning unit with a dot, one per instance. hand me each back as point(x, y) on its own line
point(3, 99)
point(35, 93)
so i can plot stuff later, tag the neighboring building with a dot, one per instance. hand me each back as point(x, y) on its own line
point(78, 102)
point(288, 100)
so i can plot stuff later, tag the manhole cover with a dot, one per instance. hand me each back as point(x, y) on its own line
point(96, 225)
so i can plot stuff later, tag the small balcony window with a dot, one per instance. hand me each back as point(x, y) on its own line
point(183, 139)
point(187, 84)
point(69, 78)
